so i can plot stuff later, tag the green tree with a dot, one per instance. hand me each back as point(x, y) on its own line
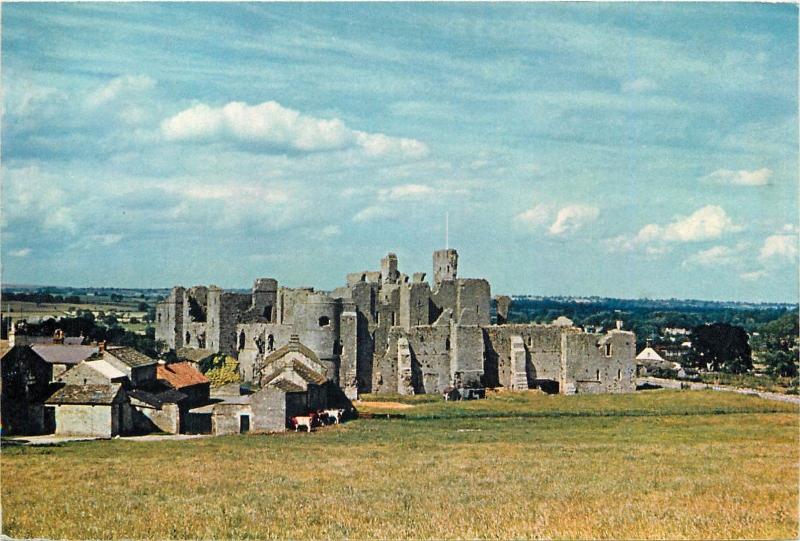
point(220, 370)
point(778, 346)
point(720, 346)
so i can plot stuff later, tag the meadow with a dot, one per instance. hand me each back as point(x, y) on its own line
point(655, 464)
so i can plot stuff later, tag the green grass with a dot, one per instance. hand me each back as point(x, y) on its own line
point(534, 404)
point(682, 465)
point(773, 384)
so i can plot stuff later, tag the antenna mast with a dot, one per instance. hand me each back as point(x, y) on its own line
point(446, 230)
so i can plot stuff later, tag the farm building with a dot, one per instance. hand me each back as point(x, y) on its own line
point(24, 385)
point(139, 368)
point(293, 383)
point(91, 410)
point(184, 377)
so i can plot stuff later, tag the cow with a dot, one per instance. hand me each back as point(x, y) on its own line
point(448, 393)
point(333, 415)
point(306, 421)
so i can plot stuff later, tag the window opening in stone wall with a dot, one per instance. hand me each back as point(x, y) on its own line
point(241, 340)
point(188, 337)
point(447, 344)
point(268, 312)
point(619, 374)
point(337, 348)
point(393, 322)
point(324, 321)
point(608, 350)
point(270, 342)
point(597, 376)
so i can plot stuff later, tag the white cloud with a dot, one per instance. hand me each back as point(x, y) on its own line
point(707, 223)
point(758, 177)
point(374, 212)
point(567, 219)
point(22, 252)
point(754, 275)
point(270, 125)
point(126, 85)
point(534, 217)
point(572, 218)
point(406, 192)
point(779, 248)
point(31, 194)
point(330, 231)
point(640, 85)
point(716, 256)
point(106, 239)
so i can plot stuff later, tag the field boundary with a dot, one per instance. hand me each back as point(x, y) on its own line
point(694, 386)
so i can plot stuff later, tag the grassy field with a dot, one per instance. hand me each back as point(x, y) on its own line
point(657, 464)
point(24, 309)
point(773, 384)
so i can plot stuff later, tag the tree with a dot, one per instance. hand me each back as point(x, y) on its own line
point(220, 370)
point(142, 307)
point(781, 362)
point(720, 346)
point(778, 345)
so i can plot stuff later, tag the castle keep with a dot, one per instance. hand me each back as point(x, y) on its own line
point(387, 332)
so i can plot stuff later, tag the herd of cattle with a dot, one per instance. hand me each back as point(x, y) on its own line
point(325, 417)
point(317, 418)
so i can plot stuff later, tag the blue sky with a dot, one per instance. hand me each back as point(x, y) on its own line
point(587, 149)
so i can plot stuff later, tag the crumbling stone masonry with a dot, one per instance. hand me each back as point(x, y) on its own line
point(387, 332)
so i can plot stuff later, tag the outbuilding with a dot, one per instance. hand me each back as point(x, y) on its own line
point(91, 410)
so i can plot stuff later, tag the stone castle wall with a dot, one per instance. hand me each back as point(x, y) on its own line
point(384, 332)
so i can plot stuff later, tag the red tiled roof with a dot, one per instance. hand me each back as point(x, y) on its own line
point(180, 375)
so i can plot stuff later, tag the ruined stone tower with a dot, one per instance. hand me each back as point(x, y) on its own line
point(445, 265)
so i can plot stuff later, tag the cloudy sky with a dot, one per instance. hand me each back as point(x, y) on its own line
point(588, 149)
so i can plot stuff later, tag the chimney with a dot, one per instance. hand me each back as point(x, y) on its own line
point(101, 346)
point(619, 324)
point(58, 336)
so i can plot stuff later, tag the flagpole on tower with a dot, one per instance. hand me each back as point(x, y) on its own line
point(446, 230)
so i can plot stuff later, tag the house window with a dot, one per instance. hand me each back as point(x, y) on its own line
point(608, 350)
point(324, 321)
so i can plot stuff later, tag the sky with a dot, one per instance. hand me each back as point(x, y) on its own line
point(620, 150)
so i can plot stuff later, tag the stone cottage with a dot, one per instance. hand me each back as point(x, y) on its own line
point(91, 410)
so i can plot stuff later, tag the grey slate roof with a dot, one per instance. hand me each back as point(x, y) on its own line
point(193, 354)
point(62, 354)
point(85, 394)
point(301, 370)
point(157, 399)
point(131, 357)
point(287, 386)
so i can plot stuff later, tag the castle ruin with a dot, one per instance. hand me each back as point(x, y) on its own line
point(386, 332)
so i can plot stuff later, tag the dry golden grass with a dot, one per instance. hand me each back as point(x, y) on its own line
point(707, 466)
